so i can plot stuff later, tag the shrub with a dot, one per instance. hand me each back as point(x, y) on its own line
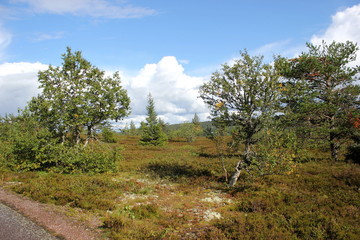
point(27, 146)
point(153, 136)
point(94, 158)
point(82, 191)
point(21, 140)
point(33, 154)
point(353, 153)
point(133, 223)
point(275, 154)
point(146, 211)
point(108, 135)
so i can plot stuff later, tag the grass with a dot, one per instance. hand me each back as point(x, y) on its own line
point(177, 192)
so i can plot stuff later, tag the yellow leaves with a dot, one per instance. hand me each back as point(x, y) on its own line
point(282, 87)
point(219, 104)
point(291, 169)
point(278, 160)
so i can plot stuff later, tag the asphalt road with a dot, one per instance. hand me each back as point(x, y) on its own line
point(14, 226)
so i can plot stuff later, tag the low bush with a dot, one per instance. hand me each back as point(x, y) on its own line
point(353, 154)
point(108, 135)
point(128, 223)
point(175, 171)
point(63, 159)
point(94, 158)
point(26, 146)
point(81, 191)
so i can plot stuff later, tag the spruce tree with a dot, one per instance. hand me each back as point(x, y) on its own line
point(196, 120)
point(197, 125)
point(132, 130)
point(152, 132)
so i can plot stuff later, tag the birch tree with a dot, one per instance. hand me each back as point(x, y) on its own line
point(78, 95)
point(243, 94)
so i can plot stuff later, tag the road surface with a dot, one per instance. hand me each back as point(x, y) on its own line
point(14, 226)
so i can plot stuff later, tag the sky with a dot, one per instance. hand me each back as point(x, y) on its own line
point(166, 48)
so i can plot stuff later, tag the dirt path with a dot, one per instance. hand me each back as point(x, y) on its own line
point(55, 222)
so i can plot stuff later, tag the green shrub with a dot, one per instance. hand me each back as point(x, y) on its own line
point(133, 223)
point(94, 158)
point(108, 135)
point(313, 225)
point(146, 211)
point(5, 154)
point(28, 156)
point(22, 139)
point(116, 222)
point(353, 153)
point(26, 146)
point(82, 191)
point(153, 136)
point(275, 154)
point(176, 171)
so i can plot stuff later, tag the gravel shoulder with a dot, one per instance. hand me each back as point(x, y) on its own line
point(56, 223)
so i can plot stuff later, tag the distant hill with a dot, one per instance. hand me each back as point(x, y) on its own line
point(173, 127)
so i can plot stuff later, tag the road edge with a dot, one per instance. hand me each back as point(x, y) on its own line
point(55, 223)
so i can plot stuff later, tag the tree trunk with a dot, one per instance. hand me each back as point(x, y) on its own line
point(334, 147)
point(236, 174)
point(63, 139)
point(90, 135)
point(76, 138)
point(246, 160)
point(224, 168)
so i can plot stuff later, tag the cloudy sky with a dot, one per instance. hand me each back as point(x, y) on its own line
point(166, 48)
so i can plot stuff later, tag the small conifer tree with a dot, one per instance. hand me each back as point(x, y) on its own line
point(132, 131)
point(197, 125)
point(152, 132)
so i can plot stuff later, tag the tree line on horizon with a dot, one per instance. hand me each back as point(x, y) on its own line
point(270, 113)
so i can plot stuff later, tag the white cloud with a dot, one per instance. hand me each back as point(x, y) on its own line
point(344, 26)
point(284, 48)
point(175, 93)
point(18, 83)
point(272, 48)
point(94, 8)
point(48, 36)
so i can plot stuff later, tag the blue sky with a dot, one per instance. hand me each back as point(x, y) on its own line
point(168, 48)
